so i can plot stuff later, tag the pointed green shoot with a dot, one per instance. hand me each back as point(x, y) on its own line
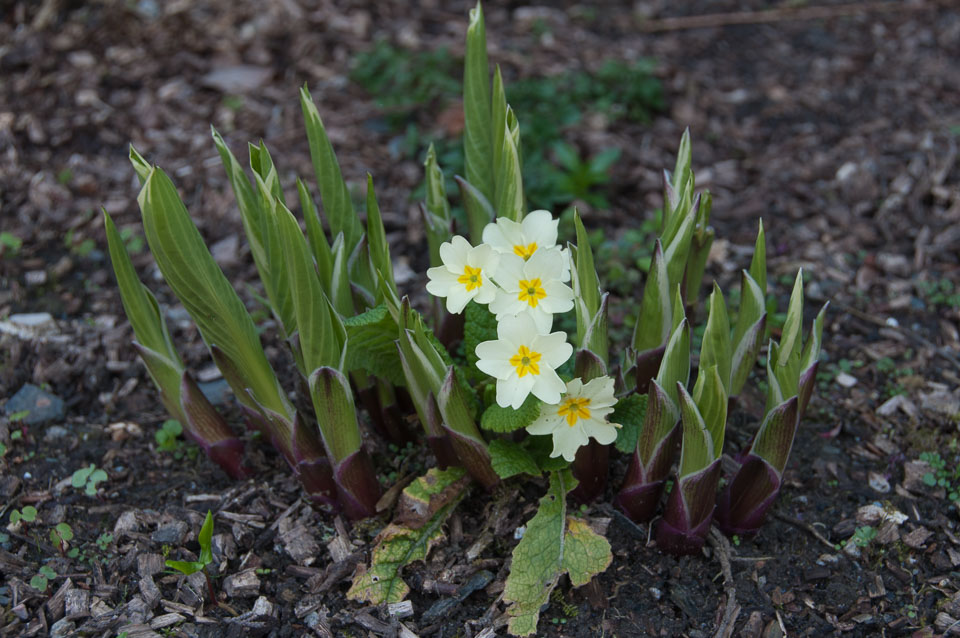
point(791, 335)
point(205, 292)
point(377, 238)
point(711, 400)
point(758, 265)
point(696, 451)
point(675, 367)
point(436, 211)
point(509, 182)
point(715, 350)
point(334, 194)
point(700, 245)
point(748, 333)
point(140, 165)
point(262, 165)
point(319, 341)
point(462, 431)
point(479, 210)
point(586, 285)
point(498, 117)
point(478, 129)
point(654, 320)
point(319, 246)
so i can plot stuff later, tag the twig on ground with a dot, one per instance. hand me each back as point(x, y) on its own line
point(796, 522)
point(779, 15)
point(731, 609)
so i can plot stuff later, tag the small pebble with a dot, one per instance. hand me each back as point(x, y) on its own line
point(846, 380)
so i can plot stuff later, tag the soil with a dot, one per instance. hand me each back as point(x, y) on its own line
point(839, 127)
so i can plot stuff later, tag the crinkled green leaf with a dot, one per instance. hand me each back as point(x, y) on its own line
point(509, 459)
point(397, 547)
point(427, 494)
point(553, 544)
point(370, 344)
point(497, 419)
point(479, 325)
point(629, 412)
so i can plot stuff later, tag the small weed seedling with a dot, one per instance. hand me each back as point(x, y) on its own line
point(168, 436)
point(60, 536)
point(863, 536)
point(87, 478)
point(941, 476)
point(28, 515)
point(43, 578)
point(205, 538)
point(10, 244)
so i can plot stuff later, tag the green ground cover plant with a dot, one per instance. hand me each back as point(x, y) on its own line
point(509, 367)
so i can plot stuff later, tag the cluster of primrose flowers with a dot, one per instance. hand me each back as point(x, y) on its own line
point(521, 275)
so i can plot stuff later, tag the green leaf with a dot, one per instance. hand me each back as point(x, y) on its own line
point(758, 264)
point(509, 459)
point(317, 239)
point(675, 366)
point(586, 287)
point(427, 494)
point(140, 165)
point(676, 251)
point(371, 346)
point(144, 314)
point(211, 301)
point(478, 129)
point(498, 127)
point(629, 412)
point(553, 544)
point(336, 412)
point(509, 181)
point(377, 238)
point(205, 539)
point(774, 439)
point(811, 350)
point(711, 401)
point(437, 213)
point(654, 320)
point(318, 341)
point(790, 337)
point(715, 350)
point(478, 208)
point(497, 419)
point(334, 194)
point(256, 213)
point(79, 478)
point(397, 546)
point(185, 567)
point(262, 164)
point(748, 333)
point(479, 325)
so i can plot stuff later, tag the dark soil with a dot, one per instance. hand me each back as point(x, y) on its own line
point(841, 131)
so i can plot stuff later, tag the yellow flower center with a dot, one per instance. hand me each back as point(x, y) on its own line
point(470, 278)
point(525, 251)
point(573, 409)
point(531, 291)
point(526, 361)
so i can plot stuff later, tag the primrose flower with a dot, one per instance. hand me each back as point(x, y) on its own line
point(581, 414)
point(537, 230)
point(523, 361)
point(533, 286)
point(464, 275)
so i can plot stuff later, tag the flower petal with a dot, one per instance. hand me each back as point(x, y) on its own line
point(546, 423)
point(539, 226)
point(548, 386)
point(566, 442)
point(440, 281)
point(458, 297)
point(513, 392)
point(509, 272)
